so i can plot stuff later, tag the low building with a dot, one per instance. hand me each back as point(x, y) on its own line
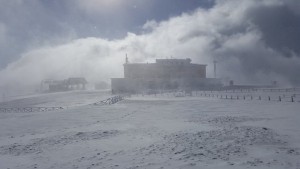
point(165, 74)
point(74, 83)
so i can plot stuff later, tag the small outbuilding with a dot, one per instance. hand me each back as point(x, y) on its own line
point(74, 83)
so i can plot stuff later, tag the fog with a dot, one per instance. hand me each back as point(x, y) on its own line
point(254, 42)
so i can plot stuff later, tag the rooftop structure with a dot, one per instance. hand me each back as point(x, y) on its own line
point(165, 68)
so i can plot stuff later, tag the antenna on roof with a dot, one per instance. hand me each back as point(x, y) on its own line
point(126, 59)
point(215, 68)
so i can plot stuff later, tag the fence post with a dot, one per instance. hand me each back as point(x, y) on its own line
point(292, 98)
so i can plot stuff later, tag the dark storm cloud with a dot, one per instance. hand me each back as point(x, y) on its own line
point(280, 27)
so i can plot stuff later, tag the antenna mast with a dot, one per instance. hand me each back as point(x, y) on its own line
point(215, 68)
point(126, 59)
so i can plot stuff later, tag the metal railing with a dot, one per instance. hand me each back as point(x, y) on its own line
point(109, 101)
point(29, 109)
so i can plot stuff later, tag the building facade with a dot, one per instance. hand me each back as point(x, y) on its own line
point(165, 74)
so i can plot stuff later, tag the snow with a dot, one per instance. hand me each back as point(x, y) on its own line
point(161, 131)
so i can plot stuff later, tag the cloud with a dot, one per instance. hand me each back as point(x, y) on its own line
point(2, 33)
point(249, 44)
point(150, 25)
point(32, 24)
point(99, 6)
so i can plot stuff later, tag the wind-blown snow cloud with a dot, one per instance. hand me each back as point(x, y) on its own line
point(253, 41)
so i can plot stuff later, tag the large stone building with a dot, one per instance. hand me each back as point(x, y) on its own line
point(165, 74)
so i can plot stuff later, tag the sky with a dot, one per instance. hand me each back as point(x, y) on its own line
point(254, 41)
point(29, 24)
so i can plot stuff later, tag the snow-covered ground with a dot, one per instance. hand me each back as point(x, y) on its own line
point(153, 132)
point(64, 99)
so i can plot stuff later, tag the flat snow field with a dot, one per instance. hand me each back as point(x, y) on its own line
point(150, 132)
